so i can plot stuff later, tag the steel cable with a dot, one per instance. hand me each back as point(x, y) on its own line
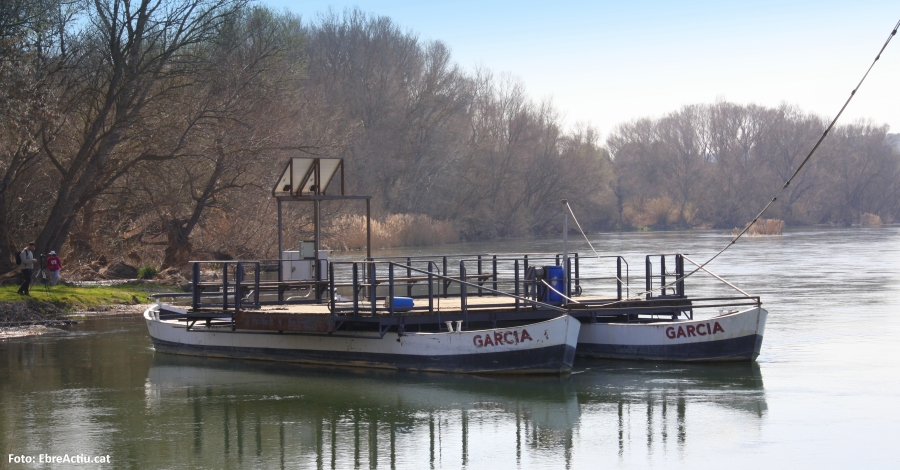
point(775, 198)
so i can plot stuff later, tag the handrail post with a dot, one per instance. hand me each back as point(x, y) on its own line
point(391, 287)
point(408, 275)
point(317, 278)
point(224, 286)
point(494, 271)
point(430, 287)
point(480, 280)
point(373, 288)
point(649, 280)
point(445, 283)
point(627, 277)
point(238, 279)
point(355, 289)
point(516, 280)
point(462, 288)
point(577, 273)
point(618, 278)
point(331, 288)
point(195, 289)
point(280, 279)
point(662, 274)
point(256, 284)
point(679, 273)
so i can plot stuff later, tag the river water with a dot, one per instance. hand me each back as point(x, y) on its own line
point(823, 393)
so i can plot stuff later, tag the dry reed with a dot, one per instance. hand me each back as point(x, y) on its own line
point(870, 220)
point(655, 212)
point(763, 227)
point(349, 232)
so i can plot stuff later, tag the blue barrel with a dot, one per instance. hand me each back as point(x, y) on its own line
point(556, 280)
point(401, 303)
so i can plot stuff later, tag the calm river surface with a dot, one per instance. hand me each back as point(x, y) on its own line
point(824, 392)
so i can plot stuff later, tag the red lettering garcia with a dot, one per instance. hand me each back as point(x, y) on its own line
point(497, 338)
point(701, 329)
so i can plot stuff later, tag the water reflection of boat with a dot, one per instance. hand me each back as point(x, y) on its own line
point(548, 402)
point(737, 386)
point(343, 417)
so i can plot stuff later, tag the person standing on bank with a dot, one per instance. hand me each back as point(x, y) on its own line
point(54, 265)
point(27, 256)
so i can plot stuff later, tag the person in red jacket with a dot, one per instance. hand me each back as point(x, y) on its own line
point(53, 266)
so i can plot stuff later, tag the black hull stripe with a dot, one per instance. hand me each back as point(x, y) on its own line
point(745, 348)
point(549, 360)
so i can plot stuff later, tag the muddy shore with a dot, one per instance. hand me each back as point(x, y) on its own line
point(35, 317)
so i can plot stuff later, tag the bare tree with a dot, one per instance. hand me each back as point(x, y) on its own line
point(130, 63)
point(30, 45)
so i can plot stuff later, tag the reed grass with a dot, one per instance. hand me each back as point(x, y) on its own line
point(870, 220)
point(349, 232)
point(763, 227)
point(655, 212)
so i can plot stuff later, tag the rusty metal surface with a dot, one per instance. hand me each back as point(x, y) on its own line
point(311, 323)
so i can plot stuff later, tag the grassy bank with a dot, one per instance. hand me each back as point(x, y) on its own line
point(73, 299)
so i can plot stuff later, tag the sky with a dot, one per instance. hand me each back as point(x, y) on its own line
point(603, 63)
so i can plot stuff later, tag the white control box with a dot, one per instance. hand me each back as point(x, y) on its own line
point(295, 267)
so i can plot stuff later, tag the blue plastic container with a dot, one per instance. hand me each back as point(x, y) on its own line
point(556, 280)
point(402, 303)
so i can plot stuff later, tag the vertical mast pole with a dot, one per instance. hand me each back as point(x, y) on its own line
point(316, 263)
point(280, 246)
point(566, 252)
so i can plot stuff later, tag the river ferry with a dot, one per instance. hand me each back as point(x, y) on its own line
point(303, 308)
point(480, 313)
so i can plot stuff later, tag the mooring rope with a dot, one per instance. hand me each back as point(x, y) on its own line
point(589, 242)
point(775, 198)
point(560, 293)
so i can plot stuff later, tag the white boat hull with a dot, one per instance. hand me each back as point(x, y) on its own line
point(729, 337)
point(544, 347)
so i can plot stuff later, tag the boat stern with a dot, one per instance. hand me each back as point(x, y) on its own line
point(735, 336)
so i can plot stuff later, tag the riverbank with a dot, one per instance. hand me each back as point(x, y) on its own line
point(50, 307)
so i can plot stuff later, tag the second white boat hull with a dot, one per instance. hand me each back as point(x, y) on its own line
point(730, 337)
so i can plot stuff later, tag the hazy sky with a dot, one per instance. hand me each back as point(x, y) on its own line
point(609, 62)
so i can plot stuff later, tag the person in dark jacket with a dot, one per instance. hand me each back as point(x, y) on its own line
point(27, 266)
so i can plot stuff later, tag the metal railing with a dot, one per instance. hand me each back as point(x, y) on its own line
point(481, 287)
point(664, 276)
point(242, 284)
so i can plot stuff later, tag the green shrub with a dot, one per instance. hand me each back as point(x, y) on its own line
point(147, 272)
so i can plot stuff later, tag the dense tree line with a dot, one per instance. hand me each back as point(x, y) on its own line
point(718, 165)
point(153, 131)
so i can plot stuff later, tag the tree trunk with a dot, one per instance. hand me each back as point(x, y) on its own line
point(178, 250)
point(6, 246)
